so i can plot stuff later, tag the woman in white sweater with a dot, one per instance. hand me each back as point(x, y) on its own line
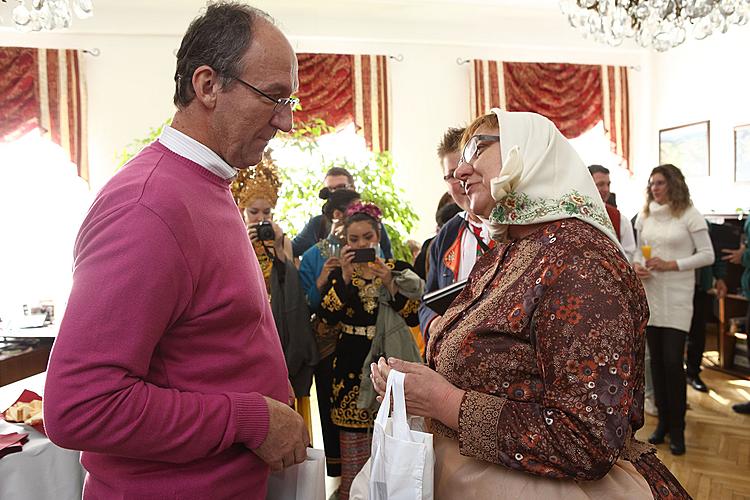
point(675, 234)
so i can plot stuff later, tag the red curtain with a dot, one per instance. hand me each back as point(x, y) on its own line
point(44, 88)
point(326, 88)
point(19, 103)
point(344, 88)
point(574, 96)
point(568, 94)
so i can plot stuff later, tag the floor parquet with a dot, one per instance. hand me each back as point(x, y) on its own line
point(717, 462)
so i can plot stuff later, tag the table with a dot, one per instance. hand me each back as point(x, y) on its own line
point(42, 471)
point(24, 364)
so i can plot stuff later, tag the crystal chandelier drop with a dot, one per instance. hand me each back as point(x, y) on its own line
point(661, 24)
point(49, 15)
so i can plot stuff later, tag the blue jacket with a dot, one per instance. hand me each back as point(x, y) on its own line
point(439, 276)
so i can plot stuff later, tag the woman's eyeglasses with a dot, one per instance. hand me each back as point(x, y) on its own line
point(469, 154)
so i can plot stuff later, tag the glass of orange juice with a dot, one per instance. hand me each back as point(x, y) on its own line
point(646, 250)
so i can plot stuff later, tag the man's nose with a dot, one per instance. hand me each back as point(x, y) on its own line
point(283, 119)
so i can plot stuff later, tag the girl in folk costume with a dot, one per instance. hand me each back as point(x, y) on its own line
point(353, 298)
point(256, 191)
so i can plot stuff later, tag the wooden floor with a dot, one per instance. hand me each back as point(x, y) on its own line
point(717, 462)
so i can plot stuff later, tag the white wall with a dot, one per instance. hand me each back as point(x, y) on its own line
point(707, 80)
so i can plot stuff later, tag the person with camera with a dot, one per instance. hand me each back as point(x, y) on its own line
point(316, 265)
point(256, 191)
point(363, 292)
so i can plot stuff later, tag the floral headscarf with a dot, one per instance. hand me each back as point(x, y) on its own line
point(542, 178)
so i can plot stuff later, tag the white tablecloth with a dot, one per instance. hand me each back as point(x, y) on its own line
point(42, 471)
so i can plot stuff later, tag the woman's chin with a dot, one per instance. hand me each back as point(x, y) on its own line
point(482, 207)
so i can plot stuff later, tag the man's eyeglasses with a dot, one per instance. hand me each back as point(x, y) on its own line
point(279, 104)
point(469, 154)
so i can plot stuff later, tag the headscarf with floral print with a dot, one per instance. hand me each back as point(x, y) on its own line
point(542, 178)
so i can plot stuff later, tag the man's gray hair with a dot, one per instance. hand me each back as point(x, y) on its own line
point(219, 39)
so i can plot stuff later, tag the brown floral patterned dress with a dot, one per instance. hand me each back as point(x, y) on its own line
point(547, 339)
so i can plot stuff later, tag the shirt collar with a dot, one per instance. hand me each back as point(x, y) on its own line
point(189, 148)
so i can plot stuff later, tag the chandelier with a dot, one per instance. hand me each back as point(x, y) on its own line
point(661, 24)
point(49, 14)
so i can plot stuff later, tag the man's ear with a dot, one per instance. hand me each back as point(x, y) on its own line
point(207, 85)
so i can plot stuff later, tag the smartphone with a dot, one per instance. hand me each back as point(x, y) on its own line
point(363, 255)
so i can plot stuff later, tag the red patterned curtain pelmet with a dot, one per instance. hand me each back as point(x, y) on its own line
point(574, 96)
point(44, 88)
point(343, 88)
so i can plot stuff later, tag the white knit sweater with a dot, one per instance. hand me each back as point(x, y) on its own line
point(683, 239)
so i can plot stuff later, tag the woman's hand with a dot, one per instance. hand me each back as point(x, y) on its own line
point(641, 271)
point(383, 272)
point(278, 236)
point(252, 232)
point(733, 256)
point(427, 393)
point(657, 264)
point(347, 268)
point(331, 264)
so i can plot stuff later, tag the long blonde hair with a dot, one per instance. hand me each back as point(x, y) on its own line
point(677, 190)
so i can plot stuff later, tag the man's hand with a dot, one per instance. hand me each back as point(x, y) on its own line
point(733, 256)
point(287, 439)
point(721, 288)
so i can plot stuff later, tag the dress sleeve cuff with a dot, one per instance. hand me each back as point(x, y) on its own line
point(250, 413)
point(478, 420)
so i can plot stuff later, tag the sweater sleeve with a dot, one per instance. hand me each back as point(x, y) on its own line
point(704, 251)
point(131, 283)
point(586, 347)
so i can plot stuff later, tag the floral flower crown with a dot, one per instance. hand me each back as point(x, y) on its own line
point(370, 209)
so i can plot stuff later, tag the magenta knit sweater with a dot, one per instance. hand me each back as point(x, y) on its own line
point(168, 342)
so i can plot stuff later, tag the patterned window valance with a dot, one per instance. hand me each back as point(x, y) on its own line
point(44, 88)
point(574, 96)
point(344, 88)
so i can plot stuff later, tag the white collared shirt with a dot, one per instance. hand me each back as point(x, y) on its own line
point(189, 148)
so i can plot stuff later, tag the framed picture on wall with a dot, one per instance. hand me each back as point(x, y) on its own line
point(687, 147)
point(742, 153)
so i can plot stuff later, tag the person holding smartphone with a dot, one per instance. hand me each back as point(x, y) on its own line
point(351, 300)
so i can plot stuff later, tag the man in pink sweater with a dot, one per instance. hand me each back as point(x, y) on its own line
point(168, 371)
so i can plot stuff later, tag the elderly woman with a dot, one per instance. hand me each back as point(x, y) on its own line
point(534, 383)
point(677, 235)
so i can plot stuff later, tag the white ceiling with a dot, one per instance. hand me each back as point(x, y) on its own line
point(333, 25)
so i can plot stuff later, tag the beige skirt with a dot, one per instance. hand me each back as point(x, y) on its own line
point(462, 478)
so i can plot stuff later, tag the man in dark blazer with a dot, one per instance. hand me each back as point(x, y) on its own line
point(460, 241)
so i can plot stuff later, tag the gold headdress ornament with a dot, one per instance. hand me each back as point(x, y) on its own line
point(260, 181)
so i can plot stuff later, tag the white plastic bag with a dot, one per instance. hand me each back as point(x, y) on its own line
point(305, 481)
point(402, 463)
